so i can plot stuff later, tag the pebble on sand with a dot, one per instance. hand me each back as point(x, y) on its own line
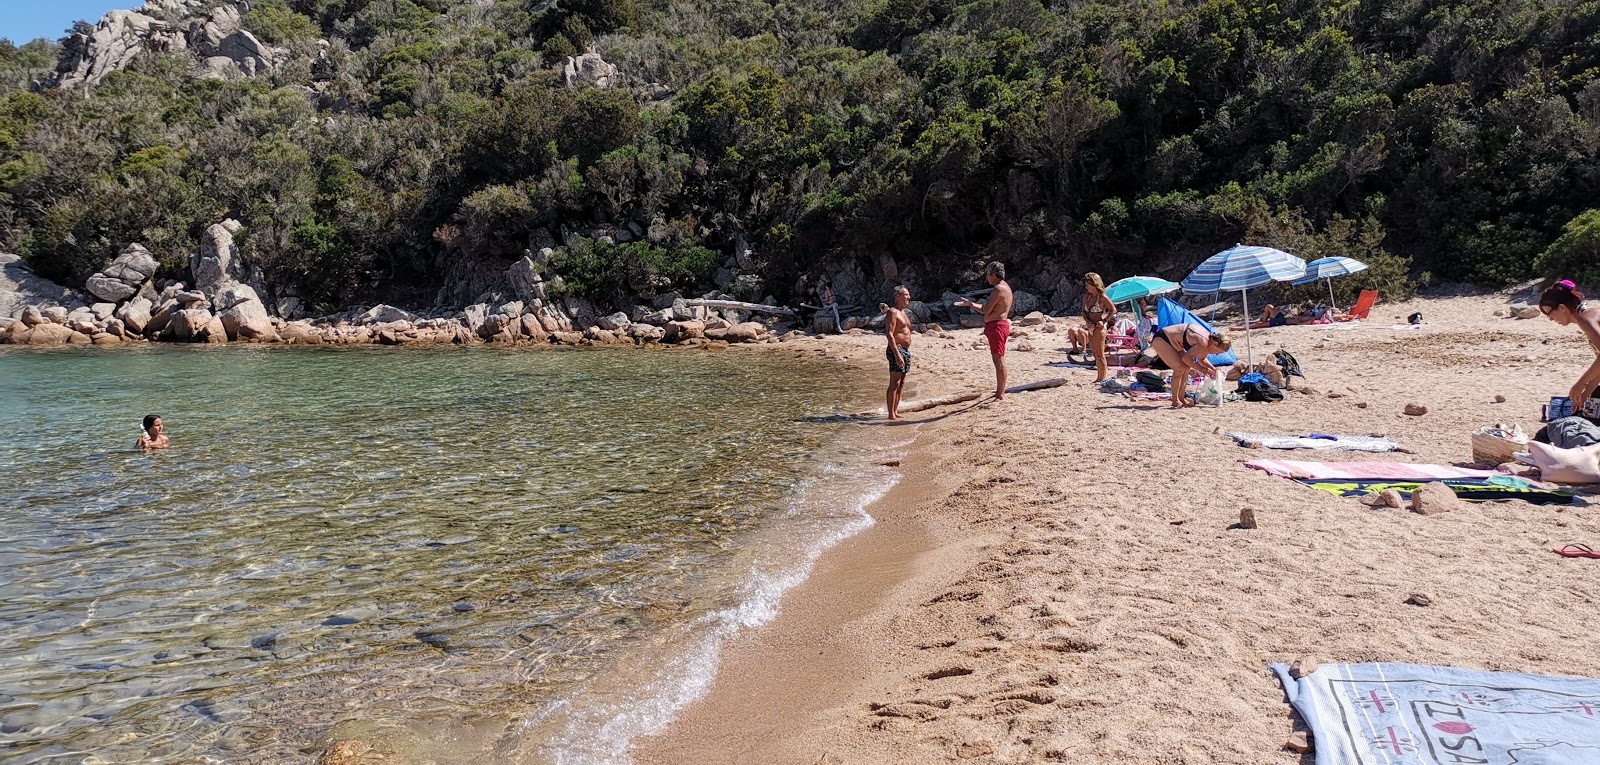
point(1416, 410)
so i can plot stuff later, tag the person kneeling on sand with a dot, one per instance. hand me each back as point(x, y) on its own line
point(154, 437)
point(1563, 304)
point(996, 322)
point(1184, 347)
point(898, 330)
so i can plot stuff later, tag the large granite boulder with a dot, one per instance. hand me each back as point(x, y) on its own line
point(587, 71)
point(747, 332)
point(614, 322)
point(21, 287)
point(188, 325)
point(135, 313)
point(217, 263)
point(121, 280)
point(383, 314)
point(243, 315)
point(525, 281)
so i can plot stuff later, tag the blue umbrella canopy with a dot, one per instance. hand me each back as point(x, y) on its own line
point(1136, 287)
point(1241, 268)
point(1327, 268)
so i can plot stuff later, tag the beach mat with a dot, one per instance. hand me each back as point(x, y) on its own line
point(1492, 489)
point(1406, 714)
point(1370, 471)
point(1337, 443)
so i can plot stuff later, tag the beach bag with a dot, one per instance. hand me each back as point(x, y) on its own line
point(1287, 362)
point(1211, 392)
point(1256, 387)
point(1152, 382)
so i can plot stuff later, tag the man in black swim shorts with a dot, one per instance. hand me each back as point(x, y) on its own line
point(898, 330)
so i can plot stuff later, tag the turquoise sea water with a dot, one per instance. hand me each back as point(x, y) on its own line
point(455, 555)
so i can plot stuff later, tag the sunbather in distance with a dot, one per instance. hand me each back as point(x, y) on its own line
point(1184, 347)
point(1563, 304)
point(1273, 316)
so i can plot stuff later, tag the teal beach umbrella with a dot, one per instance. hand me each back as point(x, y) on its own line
point(1136, 287)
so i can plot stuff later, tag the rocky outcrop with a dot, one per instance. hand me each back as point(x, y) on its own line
point(123, 278)
point(216, 263)
point(588, 71)
point(211, 33)
point(242, 314)
point(20, 287)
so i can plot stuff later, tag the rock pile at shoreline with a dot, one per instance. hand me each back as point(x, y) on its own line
point(127, 303)
point(221, 307)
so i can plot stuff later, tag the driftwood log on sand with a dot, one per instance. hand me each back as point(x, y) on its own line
point(742, 306)
point(957, 398)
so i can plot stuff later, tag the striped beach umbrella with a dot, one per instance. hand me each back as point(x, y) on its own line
point(1240, 268)
point(1329, 267)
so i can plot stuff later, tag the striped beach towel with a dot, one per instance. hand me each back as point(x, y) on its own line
point(1372, 471)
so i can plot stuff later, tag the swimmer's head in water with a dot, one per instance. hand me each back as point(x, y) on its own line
point(152, 424)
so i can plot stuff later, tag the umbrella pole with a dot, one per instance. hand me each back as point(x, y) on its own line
point(1250, 359)
point(1330, 296)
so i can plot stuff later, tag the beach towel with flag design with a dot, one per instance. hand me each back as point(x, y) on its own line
point(1407, 714)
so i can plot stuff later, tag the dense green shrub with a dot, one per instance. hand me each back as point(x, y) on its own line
point(1576, 254)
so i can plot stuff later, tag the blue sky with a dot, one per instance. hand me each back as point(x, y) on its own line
point(23, 20)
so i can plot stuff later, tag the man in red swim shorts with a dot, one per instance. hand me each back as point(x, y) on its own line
point(996, 322)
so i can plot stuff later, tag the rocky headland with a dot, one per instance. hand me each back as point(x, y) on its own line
point(126, 302)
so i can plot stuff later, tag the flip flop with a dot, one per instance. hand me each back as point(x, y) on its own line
point(1576, 551)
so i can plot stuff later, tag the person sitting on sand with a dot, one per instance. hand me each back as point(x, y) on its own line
point(153, 437)
point(996, 322)
point(1184, 348)
point(898, 330)
point(1563, 304)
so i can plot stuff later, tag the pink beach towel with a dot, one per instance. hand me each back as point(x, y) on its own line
point(1385, 471)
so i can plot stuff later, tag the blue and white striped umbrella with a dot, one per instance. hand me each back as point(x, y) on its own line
point(1329, 267)
point(1242, 268)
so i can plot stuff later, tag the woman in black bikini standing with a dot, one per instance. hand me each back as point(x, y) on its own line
point(1184, 347)
point(1098, 311)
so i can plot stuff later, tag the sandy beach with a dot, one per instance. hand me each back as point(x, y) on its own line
point(1055, 579)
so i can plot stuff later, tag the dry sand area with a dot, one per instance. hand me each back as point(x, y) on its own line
point(1055, 579)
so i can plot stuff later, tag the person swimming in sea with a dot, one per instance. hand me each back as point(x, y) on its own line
point(154, 436)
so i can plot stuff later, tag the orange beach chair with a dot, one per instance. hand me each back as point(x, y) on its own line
point(1363, 306)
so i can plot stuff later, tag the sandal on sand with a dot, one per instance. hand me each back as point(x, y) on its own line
point(1576, 551)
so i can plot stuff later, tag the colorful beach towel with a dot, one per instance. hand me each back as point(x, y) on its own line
point(1329, 443)
point(1391, 471)
point(1405, 714)
point(1493, 488)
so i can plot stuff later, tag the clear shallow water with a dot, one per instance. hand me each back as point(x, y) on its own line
point(455, 555)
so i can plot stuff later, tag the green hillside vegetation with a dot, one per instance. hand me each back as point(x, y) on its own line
point(1455, 139)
